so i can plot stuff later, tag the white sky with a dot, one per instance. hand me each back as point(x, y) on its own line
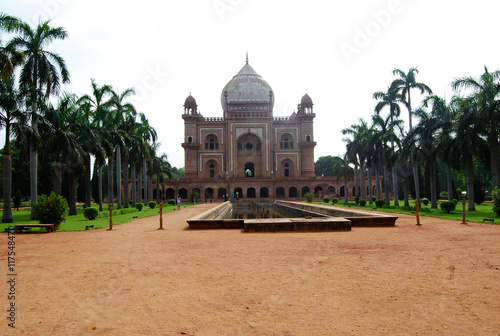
point(339, 52)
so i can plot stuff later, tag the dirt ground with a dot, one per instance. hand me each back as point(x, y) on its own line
point(441, 278)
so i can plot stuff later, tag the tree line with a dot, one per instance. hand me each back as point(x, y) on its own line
point(457, 138)
point(65, 136)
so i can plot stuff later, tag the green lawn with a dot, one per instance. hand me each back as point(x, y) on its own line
point(79, 222)
point(484, 210)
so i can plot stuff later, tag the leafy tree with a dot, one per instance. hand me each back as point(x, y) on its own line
point(322, 167)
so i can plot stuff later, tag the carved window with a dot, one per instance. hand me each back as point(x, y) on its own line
point(286, 142)
point(211, 142)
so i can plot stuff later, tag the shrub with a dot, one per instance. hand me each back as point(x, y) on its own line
point(425, 201)
point(443, 194)
point(139, 206)
point(50, 209)
point(309, 196)
point(152, 204)
point(193, 196)
point(335, 200)
point(171, 202)
point(496, 201)
point(379, 203)
point(90, 213)
point(448, 206)
point(362, 202)
point(326, 199)
point(374, 198)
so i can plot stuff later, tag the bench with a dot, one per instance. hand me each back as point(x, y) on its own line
point(488, 220)
point(18, 228)
point(90, 226)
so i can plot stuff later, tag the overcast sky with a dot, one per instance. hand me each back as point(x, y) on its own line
point(339, 52)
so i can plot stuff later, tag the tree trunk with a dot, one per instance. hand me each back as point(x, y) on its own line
point(370, 189)
point(395, 185)
point(433, 182)
point(139, 185)
point(158, 193)
point(72, 192)
point(57, 178)
point(145, 171)
point(7, 189)
point(356, 182)
point(415, 175)
point(469, 167)
point(377, 180)
point(118, 177)
point(33, 179)
point(134, 185)
point(406, 187)
point(99, 186)
point(111, 196)
point(495, 161)
point(346, 190)
point(449, 182)
point(88, 182)
point(150, 188)
point(386, 186)
point(125, 184)
point(362, 179)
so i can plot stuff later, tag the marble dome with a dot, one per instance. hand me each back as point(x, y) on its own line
point(247, 86)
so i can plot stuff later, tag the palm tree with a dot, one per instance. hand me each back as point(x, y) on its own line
point(358, 146)
point(468, 142)
point(12, 120)
point(42, 72)
point(404, 84)
point(124, 115)
point(100, 104)
point(486, 91)
point(390, 99)
point(148, 136)
point(381, 136)
point(10, 57)
point(342, 169)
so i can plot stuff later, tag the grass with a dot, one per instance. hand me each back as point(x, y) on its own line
point(79, 222)
point(484, 210)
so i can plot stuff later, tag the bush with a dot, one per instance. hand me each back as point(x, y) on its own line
point(139, 206)
point(152, 204)
point(443, 195)
point(374, 198)
point(448, 206)
point(90, 213)
point(171, 202)
point(379, 203)
point(193, 196)
point(309, 196)
point(425, 201)
point(50, 209)
point(496, 201)
point(362, 202)
point(335, 200)
point(326, 199)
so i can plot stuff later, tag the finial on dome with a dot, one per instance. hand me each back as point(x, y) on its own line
point(247, 57)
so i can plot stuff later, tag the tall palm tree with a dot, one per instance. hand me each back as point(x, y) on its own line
point(342, 169)
point(100, 104)
point(12, 120)
point(42, 72)
point(486, 91)
point(468, 143)
point(390, 99)
point(148, 136)
point(382, 135)
point(404, 84)
point(124, 114)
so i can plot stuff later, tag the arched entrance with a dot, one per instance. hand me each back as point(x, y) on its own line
point(305, 190)
point(280, 192)
point(264, 192)
point(251, 192)
point(238, 193)
point(292, 192)
point(249, 169)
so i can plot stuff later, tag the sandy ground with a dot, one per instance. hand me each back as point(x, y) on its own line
point(441, 278)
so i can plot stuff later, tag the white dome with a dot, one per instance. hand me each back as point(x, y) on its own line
point(247, 87)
